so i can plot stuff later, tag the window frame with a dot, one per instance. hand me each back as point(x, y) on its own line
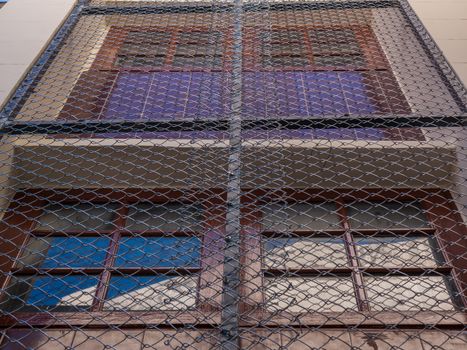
point(115, 38)
point(212, 229)
point(439, 205)
point(379, 80)
point(439, 208)
point(381, 85)
point(364, 36)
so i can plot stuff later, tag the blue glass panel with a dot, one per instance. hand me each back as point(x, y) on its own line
point(159, 251)
point(61, 293)
point(65, 252)
point(151, 293)
point(160, 95)
point(76, 252)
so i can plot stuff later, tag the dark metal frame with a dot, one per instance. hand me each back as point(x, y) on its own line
point(230, 319)
point(243, 308)
point(453, 83)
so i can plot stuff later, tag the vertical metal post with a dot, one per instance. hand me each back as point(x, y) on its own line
point(230, 337)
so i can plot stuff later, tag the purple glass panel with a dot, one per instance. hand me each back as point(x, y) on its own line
point(304, 94)
point(128, 96)
point(167, 95)
point(160, 95)
point(206, 96)
point(273, 94)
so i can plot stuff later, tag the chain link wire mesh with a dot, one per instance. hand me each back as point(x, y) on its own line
point(235, 175)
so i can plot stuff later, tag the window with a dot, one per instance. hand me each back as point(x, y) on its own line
point(108, 256)
point(154, 73)
point(162, 252)
point(350, 254)
point(166, 73)
point(316, 70)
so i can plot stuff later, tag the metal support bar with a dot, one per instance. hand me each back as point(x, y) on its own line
point(230, 337)
point(169, 8)
point(96, 127)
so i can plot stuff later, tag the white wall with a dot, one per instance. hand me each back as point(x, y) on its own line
point(26, 27)
point(446, 20)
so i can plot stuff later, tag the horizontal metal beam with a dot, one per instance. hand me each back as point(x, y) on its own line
point(64, 127)
point(206, 8)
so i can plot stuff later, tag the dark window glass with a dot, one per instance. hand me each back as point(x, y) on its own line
point(142, 49)
point(300, 216)
point(159, 251)
point(199, 50)
point(51, 252)
point(281, 49)
point(57, 293)
point(336, 47)
point(78, 217)
point(151, 293)
point(164, 217)
point(386, 215)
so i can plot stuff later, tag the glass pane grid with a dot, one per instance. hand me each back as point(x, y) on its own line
point(300, 253)
point(159, 252)
point(322, 254)
point(72, 263)
point(70, 251)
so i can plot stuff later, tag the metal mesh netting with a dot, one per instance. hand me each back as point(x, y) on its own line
point(235, 175)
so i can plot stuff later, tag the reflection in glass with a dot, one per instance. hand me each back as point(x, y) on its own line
point(396, 251)
point(57, 293)
point(164, 217)
point(51, 252)
point(300, 216)
point(159, 251)
point(387, 215)
point(309, 252)
point(77, 217)
point(405, 293)
point(151, 293)
point(310, 294)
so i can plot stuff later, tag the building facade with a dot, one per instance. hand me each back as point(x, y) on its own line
point(233, 175)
